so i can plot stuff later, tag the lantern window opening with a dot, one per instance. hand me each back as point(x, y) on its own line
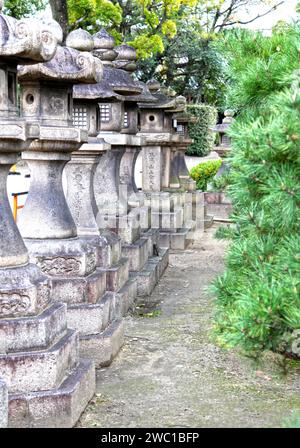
point(105, 113)
point(126, 122)
point(180, 129)
point(80, 118)
point(12, 88)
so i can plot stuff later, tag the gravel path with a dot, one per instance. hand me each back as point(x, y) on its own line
point(171, 374)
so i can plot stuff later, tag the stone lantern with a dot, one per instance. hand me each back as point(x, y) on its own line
point(107, 102)
point(171, 206)
point(101, 322)
point(38, 355)
point(46, 222)
point(224, 147)
point(179, 172)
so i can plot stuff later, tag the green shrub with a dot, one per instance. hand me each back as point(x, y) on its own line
point(204, 173)
point(258, 296)
point(201, 134)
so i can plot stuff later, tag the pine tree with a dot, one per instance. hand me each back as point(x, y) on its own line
point(258, 296)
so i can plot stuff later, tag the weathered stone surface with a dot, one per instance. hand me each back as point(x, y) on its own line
point(81, 40)
point(24, 291)
point(79, 289)
point(12, 249)
point(126, 296)
point(3, 405)
point(137, 254)
point(68, 65)
point(152, 168)
point(35, 332)
point(146, 279)
point(106, 186)
point(105, 346)
point(40, 370)
point(26, 39)
point(46, 214)
point(127, 227)
point(92, 318)
point(80, 173)
point(37, 353)
point(58, 408)
point(117, 275)
point(152, 238)
point(171, 221)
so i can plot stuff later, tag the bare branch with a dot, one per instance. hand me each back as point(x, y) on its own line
point(224, 24)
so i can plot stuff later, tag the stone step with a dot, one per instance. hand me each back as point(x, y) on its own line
point(150, 275)
point(177, 241)
point(137, 253)
point(117, 275)
point(32, 371)
point(103, 347)
point(80, 289)
point(162, 261)
point(55, 408)
point(167, 221)
point(127, 227)
point(33, 333)
point(113, 249)
point(125, 297)
point(208, 221)
point(91, 318)
point(152, 237)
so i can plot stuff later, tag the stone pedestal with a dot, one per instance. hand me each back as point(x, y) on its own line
point(179, 174)
point(38, 355)
point(48, 385)
point(99, 323)
point(139, 244)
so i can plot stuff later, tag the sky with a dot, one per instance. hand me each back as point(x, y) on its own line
point(286, 12)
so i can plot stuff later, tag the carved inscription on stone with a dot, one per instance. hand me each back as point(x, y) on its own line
point(151, 176)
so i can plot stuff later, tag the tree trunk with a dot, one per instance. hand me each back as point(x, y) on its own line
point(60, 14)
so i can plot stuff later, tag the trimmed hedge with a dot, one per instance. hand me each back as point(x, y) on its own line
point(201, 134)
point(205, 172)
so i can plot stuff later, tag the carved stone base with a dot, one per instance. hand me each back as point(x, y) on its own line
point(72, 257)
point(113, 249)
point(24, 291)
point(152, 238)
point(56, 408)
point(71, 265)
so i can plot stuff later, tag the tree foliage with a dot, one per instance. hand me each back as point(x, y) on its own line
point(23, 8)
point(200, 131)
point(174, 39)
point(258, 297)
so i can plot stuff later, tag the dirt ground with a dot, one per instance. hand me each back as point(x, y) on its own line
point(171, 374)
